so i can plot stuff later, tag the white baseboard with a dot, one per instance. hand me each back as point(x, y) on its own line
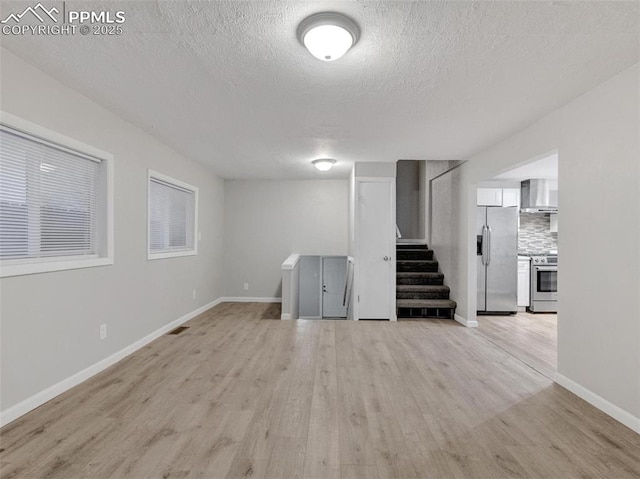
point(246, 299)
point(285, 316)
point(42, 397)
point(466, 322)
point(601, 403)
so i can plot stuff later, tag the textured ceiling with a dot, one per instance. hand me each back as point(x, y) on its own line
point(227, 83)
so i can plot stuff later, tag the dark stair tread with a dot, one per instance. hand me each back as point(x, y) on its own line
point(417, 274)
point(417, 262)
point(426, 303)
point(421, 287)
point(413, 261)
point(422, 291)
point(408, 254)
point(413, 250)
point(404, 246)
point(419, 278)
point(417, 265)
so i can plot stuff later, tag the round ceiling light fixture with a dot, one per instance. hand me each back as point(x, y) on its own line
point(323, 164)
point(328, 35)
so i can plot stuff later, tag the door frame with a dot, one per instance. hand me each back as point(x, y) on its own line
point(357, 271)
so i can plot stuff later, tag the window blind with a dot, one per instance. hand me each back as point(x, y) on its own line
point(171, 217)
point(48, 204)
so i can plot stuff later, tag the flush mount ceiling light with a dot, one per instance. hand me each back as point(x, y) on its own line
point(323, 164)
point(328, 35)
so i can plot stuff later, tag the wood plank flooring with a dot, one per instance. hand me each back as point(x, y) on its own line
point(531, 338)
point(239, 396)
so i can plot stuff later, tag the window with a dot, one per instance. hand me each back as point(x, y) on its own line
point(55, 211)
point(173, 213)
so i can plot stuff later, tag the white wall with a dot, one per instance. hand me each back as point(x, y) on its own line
point(408, 196)
point(432, 169)
point(50, 321)
point(267, 220)
point(446, 226)
point(598, 140)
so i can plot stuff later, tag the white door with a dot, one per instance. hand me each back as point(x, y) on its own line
point(376, 250)
point(334, 273)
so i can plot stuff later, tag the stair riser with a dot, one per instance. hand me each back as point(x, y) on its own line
point(426, 254)
point(422, 267)
point(443, 313)
point(411, 246)
point(423, 295)
point(421, 280)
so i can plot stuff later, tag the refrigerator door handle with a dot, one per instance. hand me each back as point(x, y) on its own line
point(488, 245)
point(483, 258)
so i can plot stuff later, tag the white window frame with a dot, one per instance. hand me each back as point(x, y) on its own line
point(180, 184)
point(105, 257)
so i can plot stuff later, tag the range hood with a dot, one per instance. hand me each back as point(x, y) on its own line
point(539, 196)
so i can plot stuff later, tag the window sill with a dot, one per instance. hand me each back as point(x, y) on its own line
point(51, 266)
point(171, 254)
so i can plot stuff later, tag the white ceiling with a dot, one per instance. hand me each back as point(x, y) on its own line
point(228, 84)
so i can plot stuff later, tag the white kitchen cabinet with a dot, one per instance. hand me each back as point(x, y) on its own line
point(504, 197)
point(511, 197)
point(524, 278)
point(489, 196)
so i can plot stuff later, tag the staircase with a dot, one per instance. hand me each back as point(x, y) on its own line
point(420, 292)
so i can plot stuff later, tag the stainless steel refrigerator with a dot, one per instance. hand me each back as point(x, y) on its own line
point(497, 253)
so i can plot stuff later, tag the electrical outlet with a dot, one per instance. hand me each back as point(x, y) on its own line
point(246, 286)
point(103, 331)
point(194, 294)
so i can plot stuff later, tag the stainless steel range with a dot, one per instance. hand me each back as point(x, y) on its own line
point(544, 284)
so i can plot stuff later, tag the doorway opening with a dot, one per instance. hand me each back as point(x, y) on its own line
point(517, 306)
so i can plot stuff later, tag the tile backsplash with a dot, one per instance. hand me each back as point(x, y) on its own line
point(534, 236)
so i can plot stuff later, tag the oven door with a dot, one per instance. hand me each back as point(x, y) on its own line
point(544, 283)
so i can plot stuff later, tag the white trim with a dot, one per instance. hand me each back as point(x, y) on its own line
point(49, 266)
point(469, 323)
point(65, 143)
point(42, 397)
point(249, 299)
point(58, 139)
point(617, 413)
point(170, 181)
point(171, 254)
point(285, 316)
point(291, 262)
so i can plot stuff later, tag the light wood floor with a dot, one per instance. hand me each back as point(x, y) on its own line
point(531, 338)
point(238, 396)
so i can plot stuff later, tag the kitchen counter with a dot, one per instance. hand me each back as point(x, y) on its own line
point(524, 268)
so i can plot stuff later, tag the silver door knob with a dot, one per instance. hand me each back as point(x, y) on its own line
point(387, 258)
